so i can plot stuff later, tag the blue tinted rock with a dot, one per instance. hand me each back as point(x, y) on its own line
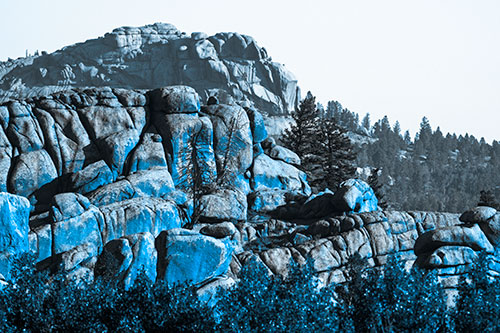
point(175, 99)
point(77, 230)
point(67, 205)
point(219, 230)
point(354, 195)
point(285, 155)
point(179, 133)
point(156, 182)
point(148, 154)
point(24, 131)
point(139, 215)
point(233, 144)
point(14, 220)
point(259, 131)
point(205, 156)
point(115, 192)
point(223, 205)
point(265, 201)
point(42, 242)
point(272, 174)
point(478, 214)
point(472, 237)
point(117, 147)
point(31, 171)
point(187, 256)
point(124, 258)
point(91, 177)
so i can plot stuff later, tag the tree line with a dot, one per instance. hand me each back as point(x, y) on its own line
point(432, 171)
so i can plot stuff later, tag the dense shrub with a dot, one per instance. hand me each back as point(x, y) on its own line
point(478, 303)
point(388, 299)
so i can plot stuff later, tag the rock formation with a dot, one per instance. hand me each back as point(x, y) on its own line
point(108, 177)
point(226, 65)
point(124, 176)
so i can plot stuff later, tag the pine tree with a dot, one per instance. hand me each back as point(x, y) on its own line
point(299, 137)
point(366, 123)
point(336, 155)
point(487, 198)
point(325, 150)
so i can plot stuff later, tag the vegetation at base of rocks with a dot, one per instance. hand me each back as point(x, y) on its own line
point(375, 299)
point(325, 151)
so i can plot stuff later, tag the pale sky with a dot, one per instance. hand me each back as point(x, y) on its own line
point(404, 59)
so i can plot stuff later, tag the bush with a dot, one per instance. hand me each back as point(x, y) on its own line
point(264, 303)
point(387, 299)
point(478, 303)
point(391, 299)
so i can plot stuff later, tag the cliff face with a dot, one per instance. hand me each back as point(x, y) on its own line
point(155, 56)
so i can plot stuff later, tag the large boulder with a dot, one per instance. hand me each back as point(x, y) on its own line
point(478, 214)
point(268, 173)
point(187, 256)
point(471, 236)
point(223, 205)
point(127, 257)
point(354, 195)
point(91, 178)
point(491, 228)
point(175, 99)
point(14, 219)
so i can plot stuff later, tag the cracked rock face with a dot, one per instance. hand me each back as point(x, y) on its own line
point(158, 55)
point(96, 175)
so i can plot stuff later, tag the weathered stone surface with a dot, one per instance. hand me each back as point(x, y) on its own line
point(491, 228)
point(31, 171)
point(184, 255)
point(77, 230)
point(125, 258)
point(187, 139)
point(223, 205)
point(156, 182)
point(478, 214)
point(272, 174)
point(355, 195)
point(219, 230)
point(259, 131)
point(233, 142)
point(175, 99)
point(284, 154)
point(139, 215)
point(472, 237)
point(265, 201)
point(67, 205)
point(148, 154)
point(117, 147)
point(14, 219)
point(91, 177)
point(446, 256)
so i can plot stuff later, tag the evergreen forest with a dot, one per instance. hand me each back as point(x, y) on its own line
point(431, 171)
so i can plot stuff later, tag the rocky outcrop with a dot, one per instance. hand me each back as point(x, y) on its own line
point(109, 182)
point(451, 250)
point(104, 172)
point(159, 55)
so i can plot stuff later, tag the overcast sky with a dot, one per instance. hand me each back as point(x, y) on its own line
point(404, 59)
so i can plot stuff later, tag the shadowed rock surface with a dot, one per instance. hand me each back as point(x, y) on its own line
point(159, 55)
